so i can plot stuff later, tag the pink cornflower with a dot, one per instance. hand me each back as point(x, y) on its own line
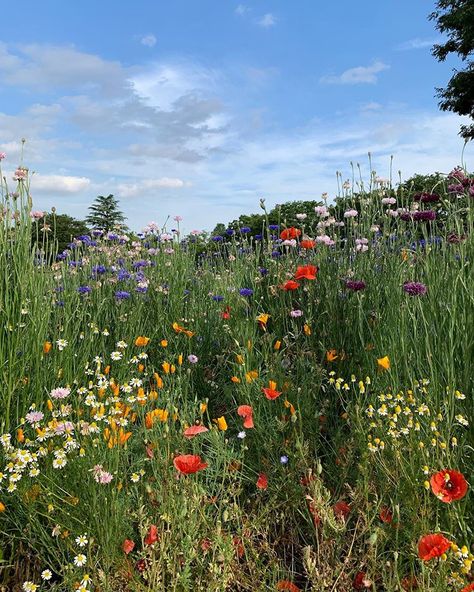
point(101, 476)
point(351, 214)
point(296, 313)
point(2, 155)
point(36, 214)
point(34, 417)
point(178, 218)
point(59, 393)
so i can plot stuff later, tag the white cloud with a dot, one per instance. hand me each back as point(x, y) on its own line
point(59, 184)
point(267, 20)
point(417, 43)
point(145, 186)
point(242, 9)
point(358, 75)
point(148, 40)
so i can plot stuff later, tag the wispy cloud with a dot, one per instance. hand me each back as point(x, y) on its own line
point(148, 40)
point(268, 20)
point(58, 184)
point(242, 9)
point(417, 43)
point(147, 186)
point(357, 75)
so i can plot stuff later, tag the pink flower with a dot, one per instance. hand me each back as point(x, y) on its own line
point(36, 214)
point(59, 393)
point(101, 476)
point(178, 218)
point(2, 155)
point(351, 214)
point(34, 417)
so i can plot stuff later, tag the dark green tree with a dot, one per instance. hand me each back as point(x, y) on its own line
point(54, 232)
point(455, 18)
point(105, 214)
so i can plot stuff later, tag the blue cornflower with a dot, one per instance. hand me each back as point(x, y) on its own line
point(245, 292)
point(218, 298)
point(284, 459)
point(84, 289)
point(217, 239)
point(122, 295)
point(245, 230)
point(229, 232)
point(263, 271)
point(273, 226)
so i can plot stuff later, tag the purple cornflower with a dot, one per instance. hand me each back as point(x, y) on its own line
point(122, 295)
point(355, 285)
point(245, 292)
point(414, 288)
point(34, 417)
point(426, 197)
point(424, 216)
point(84, 289)
point(59, 393)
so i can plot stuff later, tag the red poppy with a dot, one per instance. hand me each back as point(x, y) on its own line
point(194, 431)
point(262, 481)
point(205, 545)
point(290, 285)
point(187, 464)
point(360, 581)
point(386, 515)
point(468, 588)
point(341, 509)
point(448, 485)
point(226, 313)
point(432, 545)
point(239, 547)
point(307, 272)
point(128, 546)
point(287, 585)
point(152, 535)
point(308, 244)
point(246, 412)
point(290, 233)
point(271, 393)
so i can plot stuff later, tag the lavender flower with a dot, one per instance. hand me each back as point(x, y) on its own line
point(414, 288)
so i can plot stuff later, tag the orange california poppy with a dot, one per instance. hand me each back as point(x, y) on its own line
point(271, 393)
point(290, 285)
point(287, 585)
point(262, 481)
point(47, 345)
point(448, 485)
point(307, 272)
point(152, 535)
point(246, 412)
point(128, 546)
point(142, 341)
point(187, 464)
point(290, 233)
point(432, 545)
point(194, 431)
point(331, 355)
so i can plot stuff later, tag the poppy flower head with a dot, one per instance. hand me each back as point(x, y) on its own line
point(341, 509)
point(187, 464)
point(448, 485)
point(128, 546)
point(194, 431)
point(308, 244)
point(152, 535)
point(290, 233)
point(290, 285)
point(246, 412)
point(287, 585)
point(262, 481)
point(432, 545)
point(271, 393)
point(307, 272)
point(386, 515)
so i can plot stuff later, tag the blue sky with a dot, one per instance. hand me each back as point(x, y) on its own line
point(199, 108)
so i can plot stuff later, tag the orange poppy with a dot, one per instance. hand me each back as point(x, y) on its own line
point(290, 233)
point(307, 272)
point(246, 412)
point(308, 244)
point(287, 585)
point(47, 345)
point(331, 355)
point(432, 545)
point(386, 515)
point(152, 535)
point(262, 481)
point(448, 485)
point(226, 313)
point(194, 431)
point(468, 588)
point(271, 393)
point(290, 285)
point(187, 464)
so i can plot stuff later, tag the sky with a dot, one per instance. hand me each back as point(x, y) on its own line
point(199, 108)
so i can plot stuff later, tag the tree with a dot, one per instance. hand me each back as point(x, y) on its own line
point(456, 19)
point(105, 214)
point(55, 232)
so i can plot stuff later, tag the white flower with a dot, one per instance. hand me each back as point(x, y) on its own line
point(61, 343)
point(59, 463)
point(30, 587)
point(135, 477)
point(116, 355)
point(241, 435)
point(121, 345)
point(80, 560)
point(46, 575)
point(82, 540)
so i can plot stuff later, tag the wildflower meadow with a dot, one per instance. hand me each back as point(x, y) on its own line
point(284, 410)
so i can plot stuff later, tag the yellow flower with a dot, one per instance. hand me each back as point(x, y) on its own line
point(262, 320)
point(383, 363)
point(331, 355)
point(142, 341)
point(221, 423)
point(277, 345)
point(235, 379)
point(164, 343)
point(2, 507)
point(307, 329)
point(180, 359)
point(251, 376)
point(203, 407)
point(239, 359)
point(47, 345)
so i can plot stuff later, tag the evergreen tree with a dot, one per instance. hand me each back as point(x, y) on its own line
point(456, 19)
point(105, 214)
point(55, 231)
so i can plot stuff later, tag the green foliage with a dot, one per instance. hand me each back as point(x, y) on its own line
point(58, 230)
point(105, 214)
point(455, 18)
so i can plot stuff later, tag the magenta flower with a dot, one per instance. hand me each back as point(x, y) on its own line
point(414, 288)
